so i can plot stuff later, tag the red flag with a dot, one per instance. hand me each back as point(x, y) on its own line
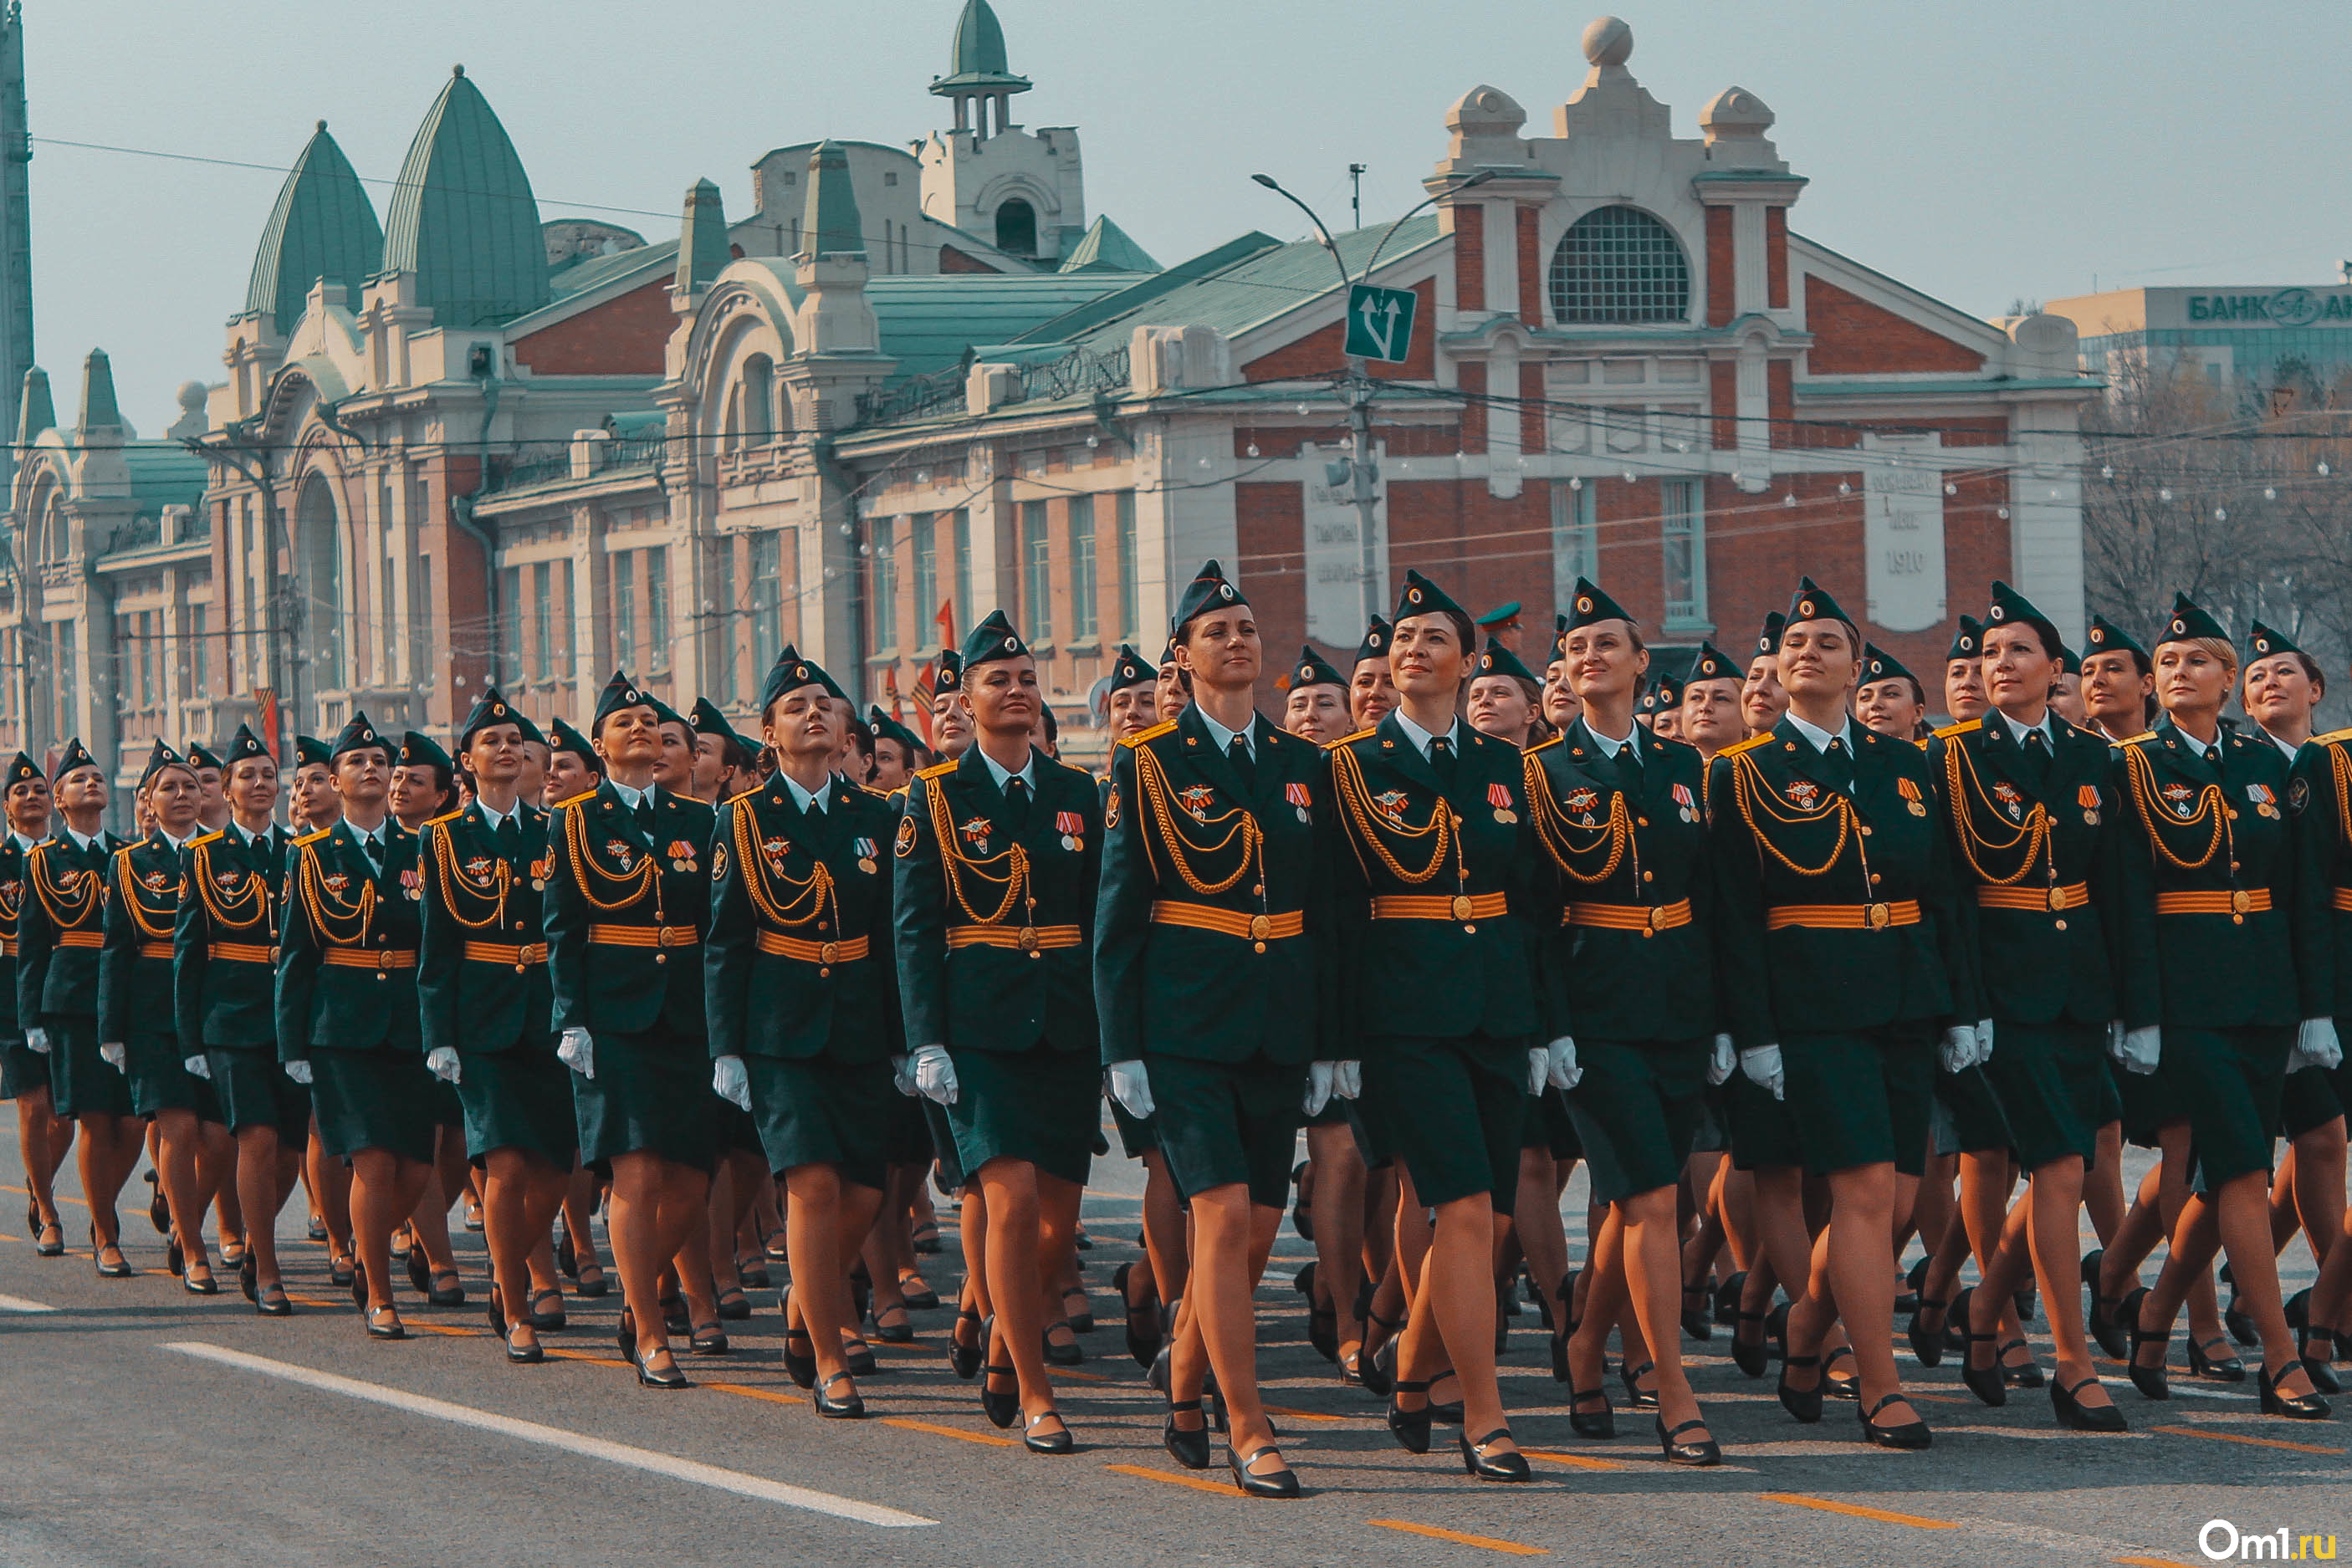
point(945, 622)
point(891, 687)
point(268, 720)
point(925, 679)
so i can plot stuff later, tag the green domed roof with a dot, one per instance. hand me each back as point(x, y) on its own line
point(463, 218)
point(322, 227)
point(979, 61)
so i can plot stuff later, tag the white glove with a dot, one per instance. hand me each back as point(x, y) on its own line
point(1721, 1061)
point(1762, 1065)
point(578, 1053)
point(113, 1055)
point(1318, 1087)
point(442, 1062)
point(198, 1066)
point(935, 1075)
point(38, 1041)
point(729, 1081)
point(299, 1071)
point(2315, 1045)
point(1131, 1087)
point(902, 1074)
point(1984, 1042)
point(2138, 1049)
point(1959, 1051)
point(1560, 1069)
point(1538, 1064)
point(1347, 1080)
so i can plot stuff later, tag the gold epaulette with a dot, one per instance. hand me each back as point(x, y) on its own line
point(1921, 744)
point(877, 794)
point(1351, 739)
point(1540, 745)
point(1750, 744)
point(899, 796)
point(1072, 768)
point(2134, 739)
point(575, 799)
point(2331, 738)
point(312, 838)
point(447, 817)
point(742, 794)
point(208, 838)
point(1154, 733)
point(1962, 728)
point(936, 769)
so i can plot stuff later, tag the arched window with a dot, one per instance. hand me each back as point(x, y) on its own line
point(1016, 229)
point(759, 400)
point(1618, 267)
point(318, 540)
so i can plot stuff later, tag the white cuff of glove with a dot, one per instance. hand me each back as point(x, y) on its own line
point(1722, 1060)
point(935, 1075)
point(1319, 1076)
point(1538, 1064)
point(2140, 1049)
point(1984, 1042)
point(578, 1053)
point(38, 1041)
point(902, 1074)
point(114, 1056)
point(1561, 1069)
point(1131, 1087)
point(299, 1071)
point(1763, 1067)
point(1347, 1080)
point(1956, 1051)
point(731, 1081)
point(197, 1066)
point(2315, 1045)
point(442, 1062)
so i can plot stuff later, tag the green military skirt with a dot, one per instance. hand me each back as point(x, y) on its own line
point(651, 1095)
point(377, 1098)
point(519, 1098)
point(1224, 1121)
point(815, 1111)
point(160, 1080)
point(2309, 1100)
point(734, 1130)
point(1972, 1110)
point(80, 1080)
point(256, 1092)
point(906, 1136)
point(1041, 1105)
point(2231, 1081)
point(1637, 1111)
point(2052, 1084)
point(943, 1145)
point(1862, 1099)
point(1763, 1132)
point(22, 1069)
point(1450, 1110)
point(1549, 1126)
point(1136, 1138)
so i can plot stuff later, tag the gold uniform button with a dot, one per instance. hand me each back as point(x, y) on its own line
point(1865, 832)
point(1641, 821)
point(1462, 906)
point(1875, 879)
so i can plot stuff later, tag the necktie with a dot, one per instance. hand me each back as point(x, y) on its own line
point(1628, 769)
point(1237, 752)
point(645, 812)
point(374, 850)
point(1838, 765)
point(2037, 757)
point(1441, 760)
point(509, 837)
point(1016, 799)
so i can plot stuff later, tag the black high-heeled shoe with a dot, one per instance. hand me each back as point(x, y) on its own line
point(392, 1329)
point(648, 1378)
point(1143, 1317)
point(1805, 1404)
point(1750, 1356)
point(1986, 1383)
point(1501, 1466)
point(923, 1301)
point(1727, 1298)
point(1445, 1414)
point(2100, 1314)
point(964, 1359)
point(2016, 1375)
point(272, 1302)
point(1636, 1396)
point(2295, 1406)
point(1274, 1483)
point(2233, 1318)
point(50, 1239)
point(1697, 1454)
point(249, 1276)
point(1059, 1442)
point(1188, 1448)
point(850, 1409)
point(546, 1323)
point(159, 1206)
point(340, 1272)
point(1002, 1408)
point(1410, 1428)
point(1070, 1355)
point(2223, 1368)
point(1927, 1344)
point(358, 1284)
point(1378, 1369)
point(120, 1268)
point(1910, 1434)
point(2315, 1367)
point(1323, 1330)
point(1697, 1323)
point(525, 1356)
point(1597, 1424)
point(454, 1295)
point(2151, 1381)
point(800, 1365)
point(900, 1333)
point(1833, 1388)
point(2074, 1416)
point(709, 1339)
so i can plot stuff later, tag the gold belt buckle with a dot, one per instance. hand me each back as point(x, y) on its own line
point(1260, 927)
point(2057, 898)
point(663, 936)
point(1658, 919)
point(2240, 901)
point(384, 958)
point(1461, 907)
point(1877, 916)
point(827, 952)
point(1028, 939)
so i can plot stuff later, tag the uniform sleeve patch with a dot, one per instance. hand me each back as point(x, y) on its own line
point(905, 844)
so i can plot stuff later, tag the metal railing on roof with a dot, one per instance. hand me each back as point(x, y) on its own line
point(1081, 372)
point(548, 461)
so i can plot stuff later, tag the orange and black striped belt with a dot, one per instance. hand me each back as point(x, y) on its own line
point(155, 950)
point(1645, 918)
point(7, 946)
point(377, 959)
point(1842, 916)
point(1030, 939)
point(1438, 906)
point(2340, 898)
point(520, 957)
point(1229, 922)
point(81, 938)
point(2239, 900)
point(823, 953)
point(2046, 900)
point(643, 936)
point(241, 952)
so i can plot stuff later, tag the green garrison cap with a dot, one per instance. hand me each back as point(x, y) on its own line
point(993, 638)
point(489, 708)
point(2265, 641)
point(309, 749)
point(789, 672)
point(2106, 637)
point(832, 687)
point(1968, 641)
point(1130, 670)
point(199, 758)
point(360, 736)
point(159, 758)
point(1208, 590)
point(1709, 665)
point(1423, 597)
point(20, 771)
point(706, 719)
point(245, 744)
point(948, 671)
point(1591, 604)
point(1878, 664)
point(1501, 615)
point(75, 754)
point(2011, 607)
point(1313, 670)
point(620, 693)
point(562, 738)
point(887, 728)
point(1812, 602)
point(1375, 646)
point(1668, 691)
point(2187, 621)
point(1497, 660)
point(1768, 640)
point(1558, 640)
point(421, 751)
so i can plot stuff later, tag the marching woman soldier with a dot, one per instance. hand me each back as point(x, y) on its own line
point(59, 930)
point(801, 988)
point(998, 855)
point(347, 1016)
point(137, 1026)
point(1442, 979)
point(43, 1136)
point(2035, 846)
point(1964, 689)
point(424, 786)
point(2321, 794)
point(2219, 884)
point(222, 985)
point(1559, 700)
point(2119, 682)
point(1628, 965)
point(1371, 690)
point(1208, 982)
point(624, 914)
point(487, 1010)
point(1889, 699)
point(1711, 703)
point(574, 768)
point(1837, 943)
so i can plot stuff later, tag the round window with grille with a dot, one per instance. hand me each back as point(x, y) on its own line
point(1618, 267)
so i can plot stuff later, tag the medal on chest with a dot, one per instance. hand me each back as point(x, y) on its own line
point(1505, 803)
point(2087, 797)
point(2265, 803)
point(975, 833)
point(1072, 827)
point(2011, 800)
point(867, 852)
point(1918, 807)
point(1684, 804)
point(336, 881)
point(1390, 805)
point(623, 856)
point(1583, 802)
point(2181, 798)
point(681, 855)
point(541, 870)
point(1195, 800)
point(412, 883)
point(156, 881)
point(1802, 794)
point(477, 870)
point(1296, 795)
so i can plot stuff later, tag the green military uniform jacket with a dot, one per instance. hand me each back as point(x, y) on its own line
point(1213, 928)
point(626, 911)
point(60, 926)
point(2245, 878)
point(1835, 903)
point(2035, 851)
point(801, 962)
point(1435, 898)
point(1627, 913)
point(11, 898)
point(224, 946)
point(481, 966)
point(134, 968)
point(2319, 795)
point(347, 961)
point(996, 919)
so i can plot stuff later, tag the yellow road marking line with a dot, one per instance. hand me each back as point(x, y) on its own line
point(1300, 1414)
point(909, 1424)
point(1798, 1499)
point(59, 1197)
point(1574, 1461)
point(749, 1393)
point(2234, 1437)
point(1516, 1549)
point(1173, 1480)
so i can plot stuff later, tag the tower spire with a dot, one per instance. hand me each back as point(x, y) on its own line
point(979, 73)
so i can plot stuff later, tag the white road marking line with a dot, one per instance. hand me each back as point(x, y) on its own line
point(569, 1442)
point(19, 1304)
point(2035, 1434)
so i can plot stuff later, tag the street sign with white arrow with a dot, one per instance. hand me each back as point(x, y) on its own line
point(1380, 322)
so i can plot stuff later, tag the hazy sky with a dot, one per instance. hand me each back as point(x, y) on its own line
point(1980, 152)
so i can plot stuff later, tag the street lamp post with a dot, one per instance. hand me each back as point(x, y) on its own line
point(1356, 386)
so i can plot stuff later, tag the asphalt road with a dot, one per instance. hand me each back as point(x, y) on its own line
point(147, 1426)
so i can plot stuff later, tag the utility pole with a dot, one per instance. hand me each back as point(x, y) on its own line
point(1355, 195)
